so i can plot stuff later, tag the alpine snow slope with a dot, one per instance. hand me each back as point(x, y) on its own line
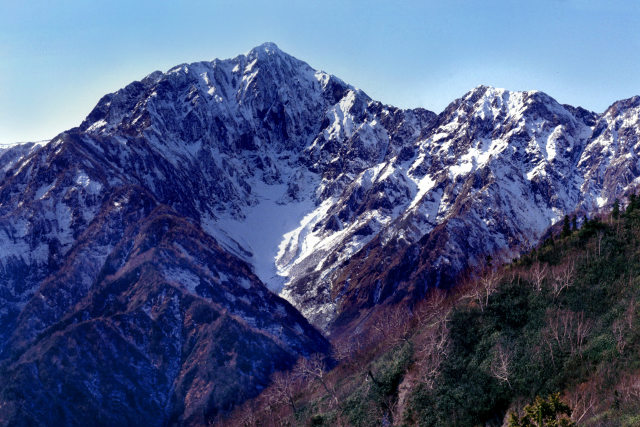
point(135, 249)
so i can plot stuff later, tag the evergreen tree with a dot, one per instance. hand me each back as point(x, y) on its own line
point(633, 203)
point(566, 227)
point(615, 212)
point(544, 412)
point(549, 241)
point(574, 223)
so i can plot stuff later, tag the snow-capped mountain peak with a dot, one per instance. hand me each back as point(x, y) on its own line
point(183, 194)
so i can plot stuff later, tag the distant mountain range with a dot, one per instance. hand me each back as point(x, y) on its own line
point(201, 226)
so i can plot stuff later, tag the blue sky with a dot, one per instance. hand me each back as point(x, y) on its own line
point(57, 58)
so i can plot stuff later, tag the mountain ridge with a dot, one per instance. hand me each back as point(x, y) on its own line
point(336, 202)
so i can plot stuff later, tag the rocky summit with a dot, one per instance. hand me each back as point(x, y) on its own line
point(201, 227)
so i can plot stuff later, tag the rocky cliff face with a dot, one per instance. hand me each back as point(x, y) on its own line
point(609, 164)
point(142, 241)
point(486, 177)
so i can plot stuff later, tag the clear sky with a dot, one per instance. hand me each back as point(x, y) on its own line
point(57, 58)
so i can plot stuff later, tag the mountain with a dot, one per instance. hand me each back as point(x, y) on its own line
point(173, 329)
point(275, 142)
point(609, 165)
point(105, 270)
point(224, 183)
point(10, 154)
point(495, 170)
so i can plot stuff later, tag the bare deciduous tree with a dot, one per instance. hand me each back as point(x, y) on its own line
point(482, 288)
point(630, 313)
point(624, 324)
point(600, 236)
point(562, 277)
point(618, 329)
point(537, 274)
point(629, 388)
point(282, 390)
point(393, 326)
point(433, 308)
point(583, 400)
point(501, 364)
point(315, 368)
point(346, 349)
point(248, 416)
point(567, 329)
point(433, 352)
point(582, 329)
point(515, 276)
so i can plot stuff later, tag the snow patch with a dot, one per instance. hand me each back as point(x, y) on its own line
point(91, 187)
point(43, 191)
point(183, 277)
point(257, 237)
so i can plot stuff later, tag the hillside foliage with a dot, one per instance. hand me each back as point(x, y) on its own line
point(555, 330)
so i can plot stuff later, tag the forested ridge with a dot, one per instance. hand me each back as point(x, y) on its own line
point(556, 330)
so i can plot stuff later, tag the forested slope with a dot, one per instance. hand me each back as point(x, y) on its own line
point(562, 318)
